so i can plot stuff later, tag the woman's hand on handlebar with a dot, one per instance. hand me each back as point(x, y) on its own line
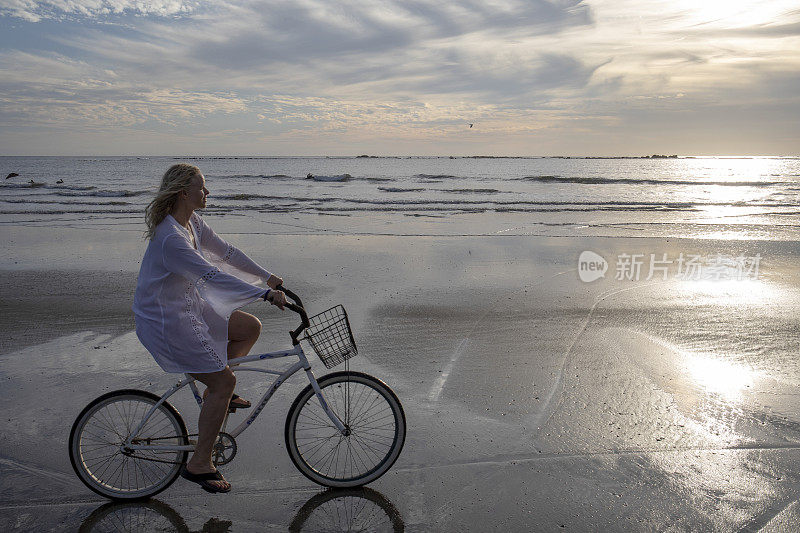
point(277, 298)
point(274, 282)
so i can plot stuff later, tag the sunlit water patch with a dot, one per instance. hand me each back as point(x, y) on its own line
point(719, 377)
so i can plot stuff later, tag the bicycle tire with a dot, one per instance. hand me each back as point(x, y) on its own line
point(96, 438)
point(374, 416)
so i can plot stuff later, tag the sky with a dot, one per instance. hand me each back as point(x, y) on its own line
point(388, 77)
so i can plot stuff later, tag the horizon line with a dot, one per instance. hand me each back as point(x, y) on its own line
point(413, 156)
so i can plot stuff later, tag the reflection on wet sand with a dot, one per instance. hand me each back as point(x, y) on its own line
point(358, 509)
point(149, 515)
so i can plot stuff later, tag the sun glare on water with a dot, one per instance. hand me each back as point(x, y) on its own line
point(733, 198)
point(728, 380)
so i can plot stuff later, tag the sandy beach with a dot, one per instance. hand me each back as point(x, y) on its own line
point(535, 401)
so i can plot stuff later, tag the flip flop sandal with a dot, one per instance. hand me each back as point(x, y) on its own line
point(203, 480)
point(240, 404)
point(233, 405)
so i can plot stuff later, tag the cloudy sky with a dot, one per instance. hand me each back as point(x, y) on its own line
point(341, 77)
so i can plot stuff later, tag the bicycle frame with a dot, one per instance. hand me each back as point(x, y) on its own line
point(302, 363)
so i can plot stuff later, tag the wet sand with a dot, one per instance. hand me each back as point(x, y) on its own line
point(534, 401)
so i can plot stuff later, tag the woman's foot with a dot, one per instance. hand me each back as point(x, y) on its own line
point(210, 481)
point(237, 402)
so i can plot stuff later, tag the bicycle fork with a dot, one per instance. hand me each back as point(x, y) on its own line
point(344, 430)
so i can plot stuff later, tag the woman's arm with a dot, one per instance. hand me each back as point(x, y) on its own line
point(233, 256)
point(224, 292)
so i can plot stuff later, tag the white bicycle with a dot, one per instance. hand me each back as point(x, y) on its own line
point(345, 429)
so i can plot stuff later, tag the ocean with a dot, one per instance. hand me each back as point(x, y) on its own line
point(697, 197)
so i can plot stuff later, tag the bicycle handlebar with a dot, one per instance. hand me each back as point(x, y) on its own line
point(290, 294)
point(297, 307)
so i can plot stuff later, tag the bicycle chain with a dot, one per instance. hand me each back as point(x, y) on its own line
point(186, 437)
point(132, 452)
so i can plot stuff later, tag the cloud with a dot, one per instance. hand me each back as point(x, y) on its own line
point(353, 49)
point(366, 39)
point(759, 30)
point(50, 90)
point(34, 11)
point(531, 77)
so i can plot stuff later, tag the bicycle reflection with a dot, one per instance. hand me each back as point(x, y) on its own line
point(360, 509)
point(141, 516)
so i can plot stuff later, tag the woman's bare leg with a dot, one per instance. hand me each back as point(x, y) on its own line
point(212, 414)
point(243, 332)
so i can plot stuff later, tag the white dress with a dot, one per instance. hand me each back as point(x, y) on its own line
point(185, 296)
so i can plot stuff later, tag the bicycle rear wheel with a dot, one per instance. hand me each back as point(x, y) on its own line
point(99, 458)
point(375, 423)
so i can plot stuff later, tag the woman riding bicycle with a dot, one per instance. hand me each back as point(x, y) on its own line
point(191, 283)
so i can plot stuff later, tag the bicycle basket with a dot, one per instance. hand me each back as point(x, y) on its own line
point(330, 336)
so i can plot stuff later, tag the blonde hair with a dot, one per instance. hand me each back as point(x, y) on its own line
point(177, 178)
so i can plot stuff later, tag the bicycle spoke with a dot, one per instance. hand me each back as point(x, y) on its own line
point(109, 422)
point(322, 421)
point(354, 415)
point(374, 408)
point(320, 445)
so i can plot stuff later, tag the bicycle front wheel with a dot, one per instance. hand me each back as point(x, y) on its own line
point(98, 455)
point(375, 430)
